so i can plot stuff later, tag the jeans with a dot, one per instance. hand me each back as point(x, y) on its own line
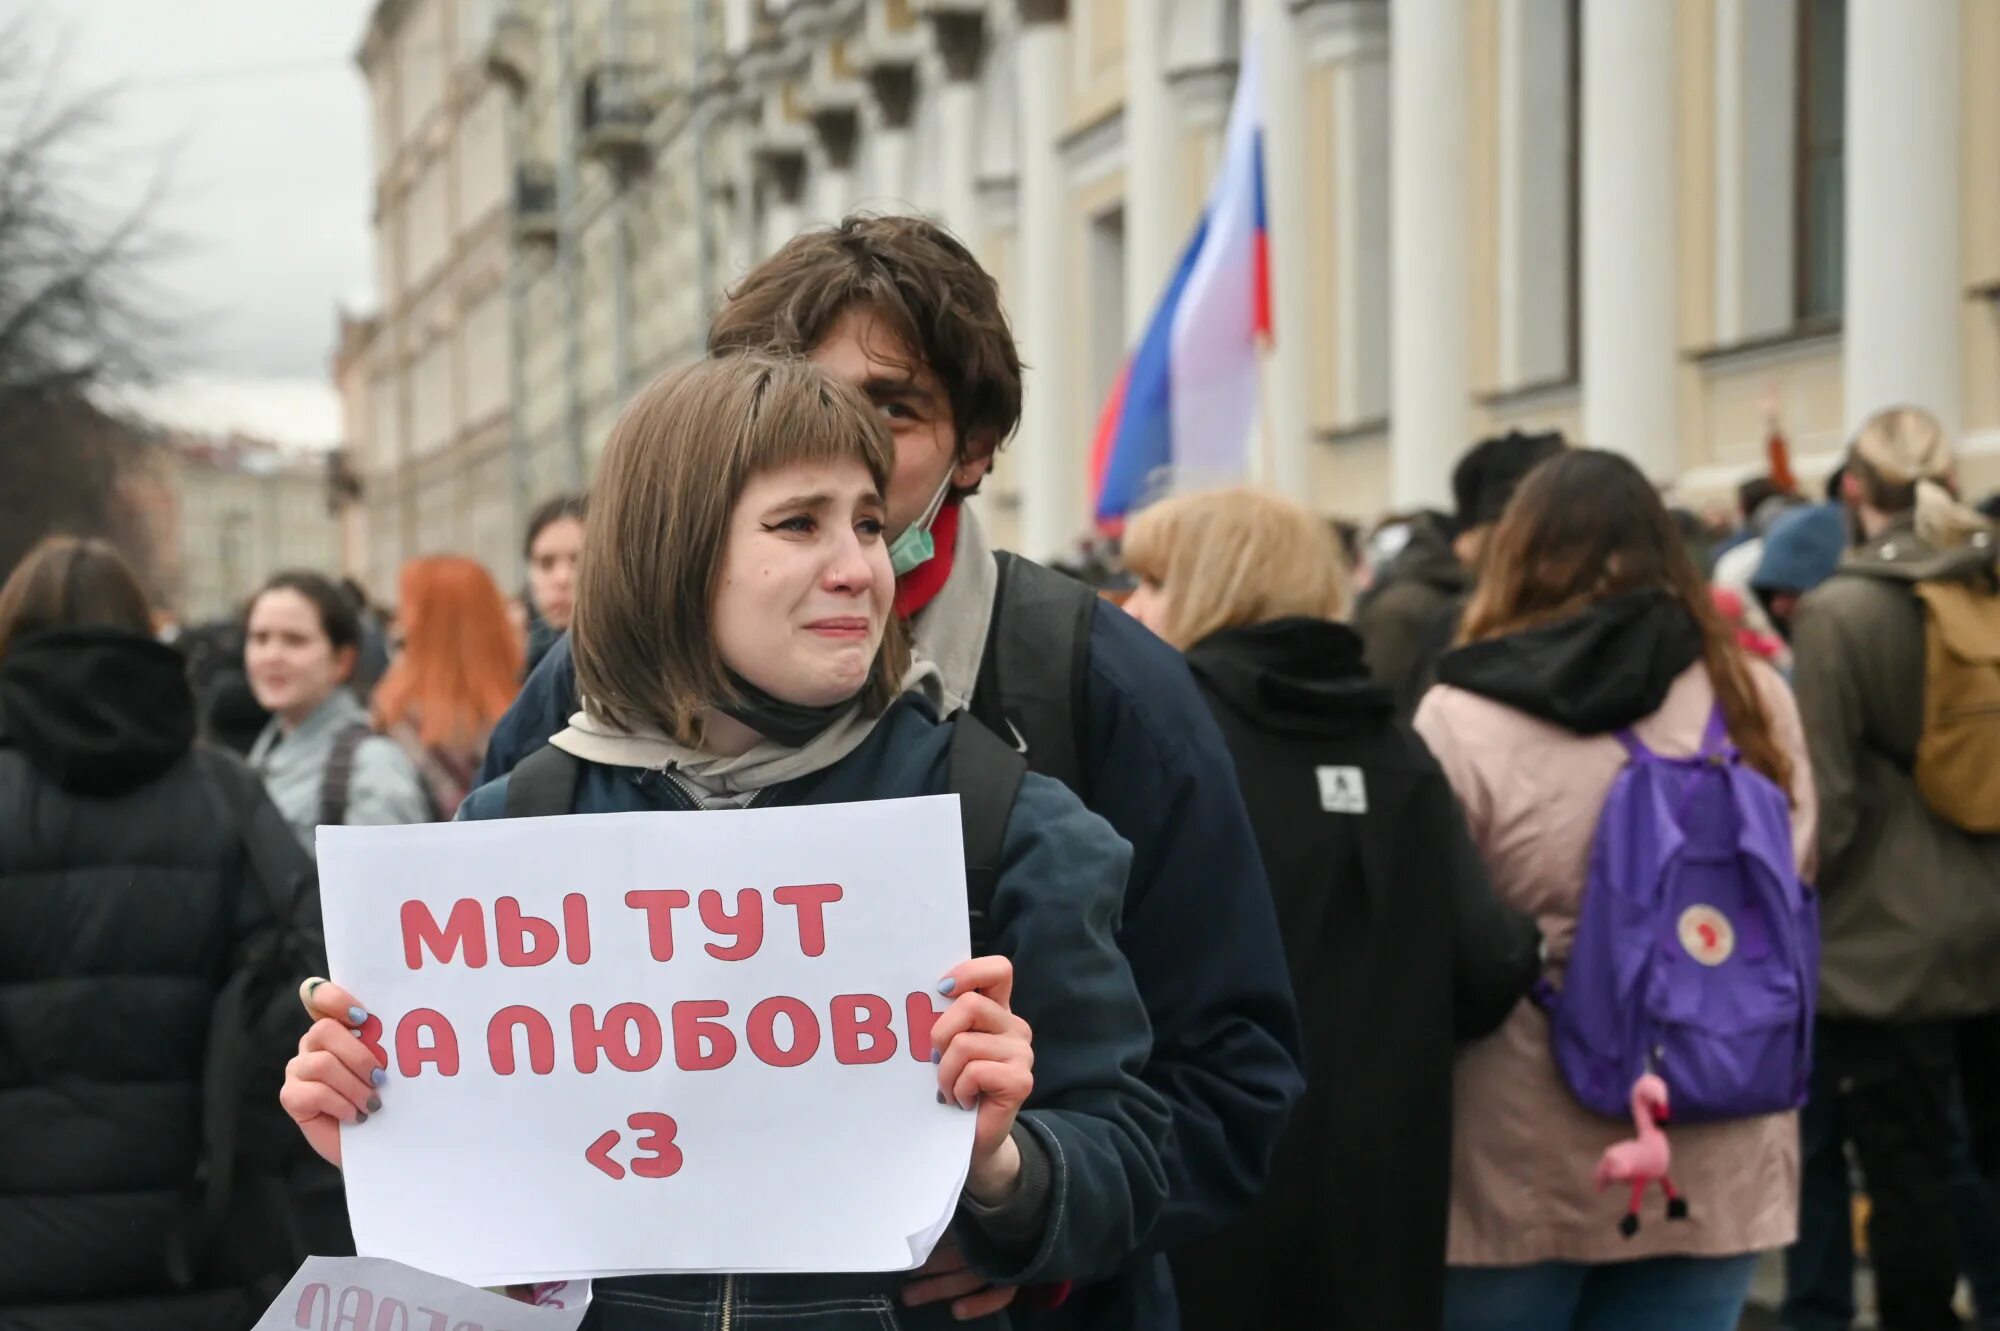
point(1657, 1294)
point(1902, 1088)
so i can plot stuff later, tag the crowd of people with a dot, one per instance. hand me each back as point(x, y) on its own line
point(1365, 904)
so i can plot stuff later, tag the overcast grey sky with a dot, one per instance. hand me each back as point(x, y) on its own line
point(258, 113)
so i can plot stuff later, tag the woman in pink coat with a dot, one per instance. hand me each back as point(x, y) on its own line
point(1590, 618)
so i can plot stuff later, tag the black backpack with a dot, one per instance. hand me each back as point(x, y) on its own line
point(982, 770)
point(262, 1201)
point(1033, 681)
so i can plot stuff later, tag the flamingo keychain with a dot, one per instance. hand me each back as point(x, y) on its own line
point(1644, 1159)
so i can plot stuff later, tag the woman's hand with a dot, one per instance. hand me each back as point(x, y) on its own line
point(334, 1079)
point(986, 1059)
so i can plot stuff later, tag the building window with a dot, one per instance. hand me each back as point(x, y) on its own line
point(1821, 158)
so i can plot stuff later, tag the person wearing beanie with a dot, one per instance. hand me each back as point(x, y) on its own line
point(1800, 552)
point(1910, 894)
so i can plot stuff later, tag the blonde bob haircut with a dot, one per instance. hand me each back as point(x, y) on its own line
point(677, 462)
point(1230, 558)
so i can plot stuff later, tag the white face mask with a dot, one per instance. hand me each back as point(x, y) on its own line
point(914, 548)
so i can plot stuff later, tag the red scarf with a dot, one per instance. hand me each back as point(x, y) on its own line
point(920, 586)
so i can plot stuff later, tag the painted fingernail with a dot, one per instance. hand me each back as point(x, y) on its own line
point(940, 1097)
point(359, 1119)
point(947, 984)
point(379, 1076)
point(359, 1016)
point(937, 1055)
point(374, 1104)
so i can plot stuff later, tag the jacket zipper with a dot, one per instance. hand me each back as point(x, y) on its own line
point(728, 1301)
point(688, 793)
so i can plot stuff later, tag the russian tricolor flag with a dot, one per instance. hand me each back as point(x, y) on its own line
point(1187, 396)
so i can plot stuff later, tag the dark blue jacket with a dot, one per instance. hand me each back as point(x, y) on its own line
point(1200, 933)
point(1055, 911)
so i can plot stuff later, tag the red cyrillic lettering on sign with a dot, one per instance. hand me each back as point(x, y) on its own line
point(856, 1015)
point(629, 1018)
point(391, 1315)
point(465, 928)
point(598, 1153)
point(746, 926)
point(918, 1018)
point(658, 1156)
point(576, 927)
point(412, 1052)
point(314, 1295)
point(761, 1031)
point(442, 1321)
point(809, 900)
point(357, 1306)
point(701, 1042)
point(541, 1040)
point(659, 905)
point(525, 940)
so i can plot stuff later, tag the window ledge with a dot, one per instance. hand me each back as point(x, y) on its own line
point(1805, 337)
point(1562, 391)
point(1353, 432)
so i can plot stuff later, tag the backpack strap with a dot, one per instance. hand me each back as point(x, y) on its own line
point(985, 772)
point(1715, 741)
point(283, 873)
point(337, 777)
point(543, 784)
point(1636, 749)
point(1033, 682)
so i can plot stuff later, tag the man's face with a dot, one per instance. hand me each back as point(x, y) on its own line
point(861, 350)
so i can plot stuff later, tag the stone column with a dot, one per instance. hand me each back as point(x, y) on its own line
point(961, 40)
point(1630, 360)
point(1154, 233)
point(837, 129)
point(1903, 293)
point(1430, 266)
point(1053, 459)
point(782, 173)
point(1284, 431)
point(895, 89)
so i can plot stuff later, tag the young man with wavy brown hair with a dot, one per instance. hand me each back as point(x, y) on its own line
point(899, 308)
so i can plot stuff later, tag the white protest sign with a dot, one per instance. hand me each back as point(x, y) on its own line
point(653, 1041)
point(370, 1294)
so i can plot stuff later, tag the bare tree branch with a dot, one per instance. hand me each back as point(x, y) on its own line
point(76, 310)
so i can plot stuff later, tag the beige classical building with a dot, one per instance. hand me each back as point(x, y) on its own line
point(427, 390)
point(232, 511)
point(1661, 225)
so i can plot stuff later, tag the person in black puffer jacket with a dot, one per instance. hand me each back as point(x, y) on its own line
point(129, 903)
point(1397, 946)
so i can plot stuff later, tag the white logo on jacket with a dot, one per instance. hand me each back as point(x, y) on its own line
point(1341, 790)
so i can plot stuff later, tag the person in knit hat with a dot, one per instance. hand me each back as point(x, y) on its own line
point(1910, 898)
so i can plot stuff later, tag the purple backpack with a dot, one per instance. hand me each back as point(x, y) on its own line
point(1697, 950)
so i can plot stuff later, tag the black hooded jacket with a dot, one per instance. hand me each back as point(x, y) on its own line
point(1602, 669)
point(1398, 951)
point(124, 899)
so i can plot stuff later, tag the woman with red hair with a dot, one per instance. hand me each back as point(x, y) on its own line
point(456, 673)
